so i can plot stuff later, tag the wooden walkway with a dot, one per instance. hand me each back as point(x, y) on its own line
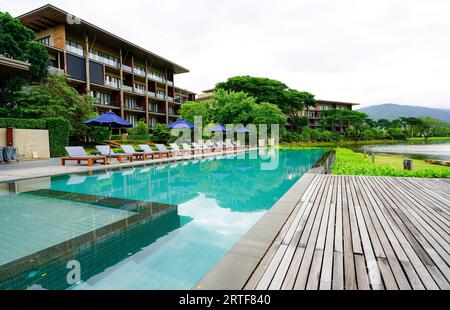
point(350, 232)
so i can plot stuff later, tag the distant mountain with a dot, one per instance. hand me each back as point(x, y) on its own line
point(392, 111)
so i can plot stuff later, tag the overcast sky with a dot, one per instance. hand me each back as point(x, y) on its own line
point(369, 52)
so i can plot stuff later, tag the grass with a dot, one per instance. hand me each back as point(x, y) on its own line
point(351, 163)
point(429, 139)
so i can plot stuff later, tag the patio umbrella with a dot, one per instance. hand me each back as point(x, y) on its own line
point(110, 120)
point(218, 128)
point(180, 124)
point(242, 130)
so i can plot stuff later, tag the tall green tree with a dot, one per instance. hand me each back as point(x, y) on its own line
point(17, 42)
point(55, 98)
point(267, 113)
point(229, 107)
point(190, 110)
point(262, 89)
point(294, 102)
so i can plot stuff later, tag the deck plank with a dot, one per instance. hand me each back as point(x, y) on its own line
point(356, 232)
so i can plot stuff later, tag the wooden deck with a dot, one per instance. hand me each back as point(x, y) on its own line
point(363, 233)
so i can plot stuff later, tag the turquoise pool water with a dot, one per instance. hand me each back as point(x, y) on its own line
point(155, 227)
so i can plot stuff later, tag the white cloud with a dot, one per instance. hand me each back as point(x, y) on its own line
point(362, 51)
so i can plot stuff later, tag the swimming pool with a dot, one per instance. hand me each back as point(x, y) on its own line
point(154, 227)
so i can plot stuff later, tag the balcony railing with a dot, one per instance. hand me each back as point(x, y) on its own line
point(155, 77)
point(181, 100)
point(170, 83)
point(139, 71)
point(112, 84)
point(127, 68)
point(160, 96)
point(55, 71)
point(151, 94)
point(75, 50)
point(170, 98)
point(139, 91)
point(104, 60)
point(127, 88)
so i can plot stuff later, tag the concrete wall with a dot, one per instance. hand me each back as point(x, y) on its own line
point(29, 141)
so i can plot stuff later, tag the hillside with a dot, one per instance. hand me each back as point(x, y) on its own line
point(392, 111)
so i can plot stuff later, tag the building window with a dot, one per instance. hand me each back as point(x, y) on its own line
point(74, 47)
point(101, 98)
point(45, 41)
point(131, 103)
point(153, 122)
point(154, 107)
point(132, 119)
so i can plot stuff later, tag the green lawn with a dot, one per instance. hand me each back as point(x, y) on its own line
point(429, 139)
point(351, 163)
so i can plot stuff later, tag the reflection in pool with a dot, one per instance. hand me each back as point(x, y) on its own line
point(155, 227)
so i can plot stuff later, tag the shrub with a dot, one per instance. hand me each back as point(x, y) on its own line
point(160, 134)
point(58, 130)
point(141, 130)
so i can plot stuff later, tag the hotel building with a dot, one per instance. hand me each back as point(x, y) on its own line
point(123, 77)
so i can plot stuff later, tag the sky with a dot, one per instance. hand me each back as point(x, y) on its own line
point(367, 52)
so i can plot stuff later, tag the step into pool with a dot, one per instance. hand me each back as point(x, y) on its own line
point(147, 227)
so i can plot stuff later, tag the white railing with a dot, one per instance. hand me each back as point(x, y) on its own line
point(104, 60)
point(128, 88)
point(139, 71)
point(55, 71)
point(75, 50)
point(139, 91)
point(127, 68)
point(112, 84)
point(151, 94)
point(170, 98)
point(160, 96)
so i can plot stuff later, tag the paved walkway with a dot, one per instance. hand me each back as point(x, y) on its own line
point(52, 167)
point(349, 232)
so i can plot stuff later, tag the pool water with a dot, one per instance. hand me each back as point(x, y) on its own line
point(154, 227)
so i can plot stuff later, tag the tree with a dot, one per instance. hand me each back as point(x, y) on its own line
point(429, 126)
point(229, 107)
point(160, 134)
point(55, 98)
point(267, 113)
point(190, 110)
point(140, 130)
point(262, 89)
point(294, 102)
point(17, 42)
point(384, 124)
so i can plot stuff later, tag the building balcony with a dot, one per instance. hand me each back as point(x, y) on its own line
point(180, 100)
point(75, 50)
point(127, 69)
point(161, 97)
point(139, 91)
point(103, 60)
point(151, 94)
point(55, 71)
point(128, 88)
point(170, 98)
point(114, 85)
point(139, 72)
point(170, 83)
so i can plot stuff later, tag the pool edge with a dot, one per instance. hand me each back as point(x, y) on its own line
point(234, 270)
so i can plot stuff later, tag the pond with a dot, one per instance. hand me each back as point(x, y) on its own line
point(423, 150)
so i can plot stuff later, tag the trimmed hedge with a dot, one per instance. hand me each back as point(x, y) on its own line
point(58, 130)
